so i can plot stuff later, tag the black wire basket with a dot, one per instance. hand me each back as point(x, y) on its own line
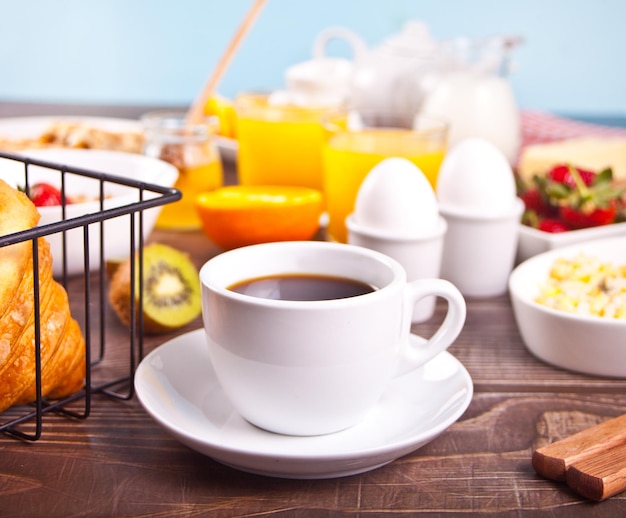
point(26, 421)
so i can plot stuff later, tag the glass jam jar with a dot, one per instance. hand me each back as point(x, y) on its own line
point(191, 149)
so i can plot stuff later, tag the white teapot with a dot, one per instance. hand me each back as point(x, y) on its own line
point(394, 77)
point(391, 78)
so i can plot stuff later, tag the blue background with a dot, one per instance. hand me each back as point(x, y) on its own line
point(160, 52)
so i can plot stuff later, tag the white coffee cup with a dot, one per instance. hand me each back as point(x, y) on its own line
point(316, 367)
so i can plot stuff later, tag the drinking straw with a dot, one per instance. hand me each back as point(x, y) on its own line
point(195, 115)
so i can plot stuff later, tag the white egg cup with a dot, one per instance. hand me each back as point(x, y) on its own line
point(420, 256)
point(479, 250)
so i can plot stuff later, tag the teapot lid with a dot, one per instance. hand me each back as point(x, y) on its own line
point(413, 40)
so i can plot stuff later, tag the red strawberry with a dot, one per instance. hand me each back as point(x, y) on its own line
point(576, 198)
point(562, 174)
point(45, 195)
point(595, 217)
point(553, 226)
point(534, 201)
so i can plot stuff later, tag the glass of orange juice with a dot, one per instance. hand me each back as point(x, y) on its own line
point(355, 141)
point(191, 149)
point(279, 143)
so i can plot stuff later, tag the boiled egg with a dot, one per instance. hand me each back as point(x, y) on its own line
point(476, 178)
point(396, 199)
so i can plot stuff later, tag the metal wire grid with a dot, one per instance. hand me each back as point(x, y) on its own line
point(79, 405)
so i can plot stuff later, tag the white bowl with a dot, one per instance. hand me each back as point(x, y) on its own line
point(587, 344)
point(116, 230)
point(532, 241)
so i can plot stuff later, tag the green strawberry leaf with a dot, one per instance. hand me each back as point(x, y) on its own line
point(604, 176)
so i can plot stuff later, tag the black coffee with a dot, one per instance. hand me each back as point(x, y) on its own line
point(302, 287)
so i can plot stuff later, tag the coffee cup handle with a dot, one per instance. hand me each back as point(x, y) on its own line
point(415, 353)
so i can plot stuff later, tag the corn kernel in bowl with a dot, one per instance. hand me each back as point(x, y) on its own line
point(586, 286)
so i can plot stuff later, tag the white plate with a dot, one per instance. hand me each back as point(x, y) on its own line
point(33, 127)
point(117, 232)
point(532, 241)
point(177, 386)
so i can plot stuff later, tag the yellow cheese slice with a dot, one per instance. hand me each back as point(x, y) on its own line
point(592, 153)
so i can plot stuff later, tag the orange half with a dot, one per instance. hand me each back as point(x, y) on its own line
point(240, 215)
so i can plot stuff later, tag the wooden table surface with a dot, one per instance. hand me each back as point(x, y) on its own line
point(119, 462)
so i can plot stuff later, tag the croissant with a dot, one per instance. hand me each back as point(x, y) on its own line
point(62, 346)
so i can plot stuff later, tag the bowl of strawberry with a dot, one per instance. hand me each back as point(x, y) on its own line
point(82, 196)
point(569, 205)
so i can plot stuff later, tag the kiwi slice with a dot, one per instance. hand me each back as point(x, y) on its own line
point(171, 289)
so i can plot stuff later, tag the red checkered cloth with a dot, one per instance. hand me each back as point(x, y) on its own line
point(539, 127)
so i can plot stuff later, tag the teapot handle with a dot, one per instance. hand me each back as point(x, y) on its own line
point(358, 46)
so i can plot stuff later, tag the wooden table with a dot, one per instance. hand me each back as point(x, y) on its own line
point(119, 462)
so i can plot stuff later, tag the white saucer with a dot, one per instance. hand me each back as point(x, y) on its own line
point(177, 386)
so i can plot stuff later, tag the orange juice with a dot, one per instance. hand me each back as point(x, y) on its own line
point(278, 144)
point(350, 155)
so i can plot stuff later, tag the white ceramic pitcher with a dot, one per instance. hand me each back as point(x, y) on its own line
point(473, 93)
